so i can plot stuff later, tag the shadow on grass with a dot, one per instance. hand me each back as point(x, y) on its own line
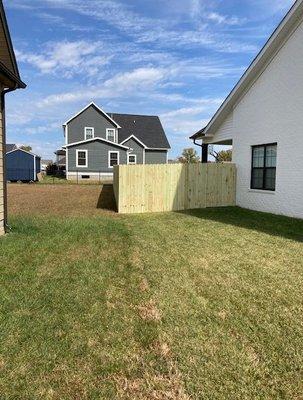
point(271, 224)
point(106, 200)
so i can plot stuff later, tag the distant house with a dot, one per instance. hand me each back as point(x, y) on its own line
point(61, 159)
point(45, 164)
point(9, 81)
point(262, 119)
point(22, 165)
point(95, 141)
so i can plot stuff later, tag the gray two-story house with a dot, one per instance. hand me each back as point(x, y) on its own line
point(95, 141)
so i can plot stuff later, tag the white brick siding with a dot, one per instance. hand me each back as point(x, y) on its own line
point(272, 111)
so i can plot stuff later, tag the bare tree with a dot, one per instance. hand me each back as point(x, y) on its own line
point(221, 156)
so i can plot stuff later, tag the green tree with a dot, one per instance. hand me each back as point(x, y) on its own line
point(26, 148)
point(189, 156)
point(222, 156)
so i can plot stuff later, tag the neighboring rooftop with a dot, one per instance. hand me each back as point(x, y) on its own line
point(148, 129)
point(10, 147)
point(60, 152)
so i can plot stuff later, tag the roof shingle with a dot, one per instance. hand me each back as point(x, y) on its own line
point(148, 129)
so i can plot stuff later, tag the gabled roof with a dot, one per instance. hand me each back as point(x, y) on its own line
point(24, 151)
point(8, 63)
point(148, 129)
point(287, 26)
point(10, 147)
point(98, 109)
point(97, 139)
point(134, 138)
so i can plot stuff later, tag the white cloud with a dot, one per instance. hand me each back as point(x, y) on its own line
point(185, 121)
point(224, 19)
point(66, 58)
point(161, 32)
point(133, 82)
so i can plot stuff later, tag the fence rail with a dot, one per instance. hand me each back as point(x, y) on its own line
point(173, 187)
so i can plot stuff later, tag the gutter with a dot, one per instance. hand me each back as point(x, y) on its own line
point(18, 83)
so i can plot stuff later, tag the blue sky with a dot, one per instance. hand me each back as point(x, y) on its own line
point(174, 58)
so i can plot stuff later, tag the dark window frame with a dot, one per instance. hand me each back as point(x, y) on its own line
point(264, 168)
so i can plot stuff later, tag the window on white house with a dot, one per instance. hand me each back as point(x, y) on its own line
point(113, 158)
point(263, 171)
point(132, 159)
point(81, 158)
point(111, 135)
point(89, 133)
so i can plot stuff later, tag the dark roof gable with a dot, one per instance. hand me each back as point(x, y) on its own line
point(148, 129)
point(10, 147)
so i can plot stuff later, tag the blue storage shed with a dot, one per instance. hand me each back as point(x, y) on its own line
point(21, 165)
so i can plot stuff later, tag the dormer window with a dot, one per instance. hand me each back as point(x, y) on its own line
point(89, 133)
point(111, 135)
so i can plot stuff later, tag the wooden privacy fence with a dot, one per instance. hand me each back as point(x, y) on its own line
point(172, 187)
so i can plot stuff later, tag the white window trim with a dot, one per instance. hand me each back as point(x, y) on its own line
point(131, 155)
point(85, 129)
point(86, 158)
point(118, 158)
point(115, 134)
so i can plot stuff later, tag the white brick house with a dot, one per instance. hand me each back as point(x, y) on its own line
point(262, 119)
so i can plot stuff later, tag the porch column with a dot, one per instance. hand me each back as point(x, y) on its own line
point(204, 153)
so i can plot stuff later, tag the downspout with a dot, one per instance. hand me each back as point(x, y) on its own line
point(3, 93)
point(35, 172)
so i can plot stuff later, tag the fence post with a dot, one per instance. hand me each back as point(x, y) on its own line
point(77, 177)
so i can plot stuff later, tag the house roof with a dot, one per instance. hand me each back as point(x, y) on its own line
point(47, 162)
point(98, 109)
point(197, 134)
point(287, 26)
point(10, 147)
point(148, 129)
point(60, 152)
point(8, 63)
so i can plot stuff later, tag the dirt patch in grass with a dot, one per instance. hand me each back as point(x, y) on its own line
point(149, 312)
point(65, 200)
point(152, 387)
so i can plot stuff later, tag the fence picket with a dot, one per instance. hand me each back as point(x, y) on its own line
point(173, 187)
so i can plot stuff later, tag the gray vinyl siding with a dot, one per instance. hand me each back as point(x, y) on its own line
point(97, 157)
point(88, 118)
point(138, 150)
point(155, 157)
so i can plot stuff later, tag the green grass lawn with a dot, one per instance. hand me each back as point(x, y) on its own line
point(200, 305)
